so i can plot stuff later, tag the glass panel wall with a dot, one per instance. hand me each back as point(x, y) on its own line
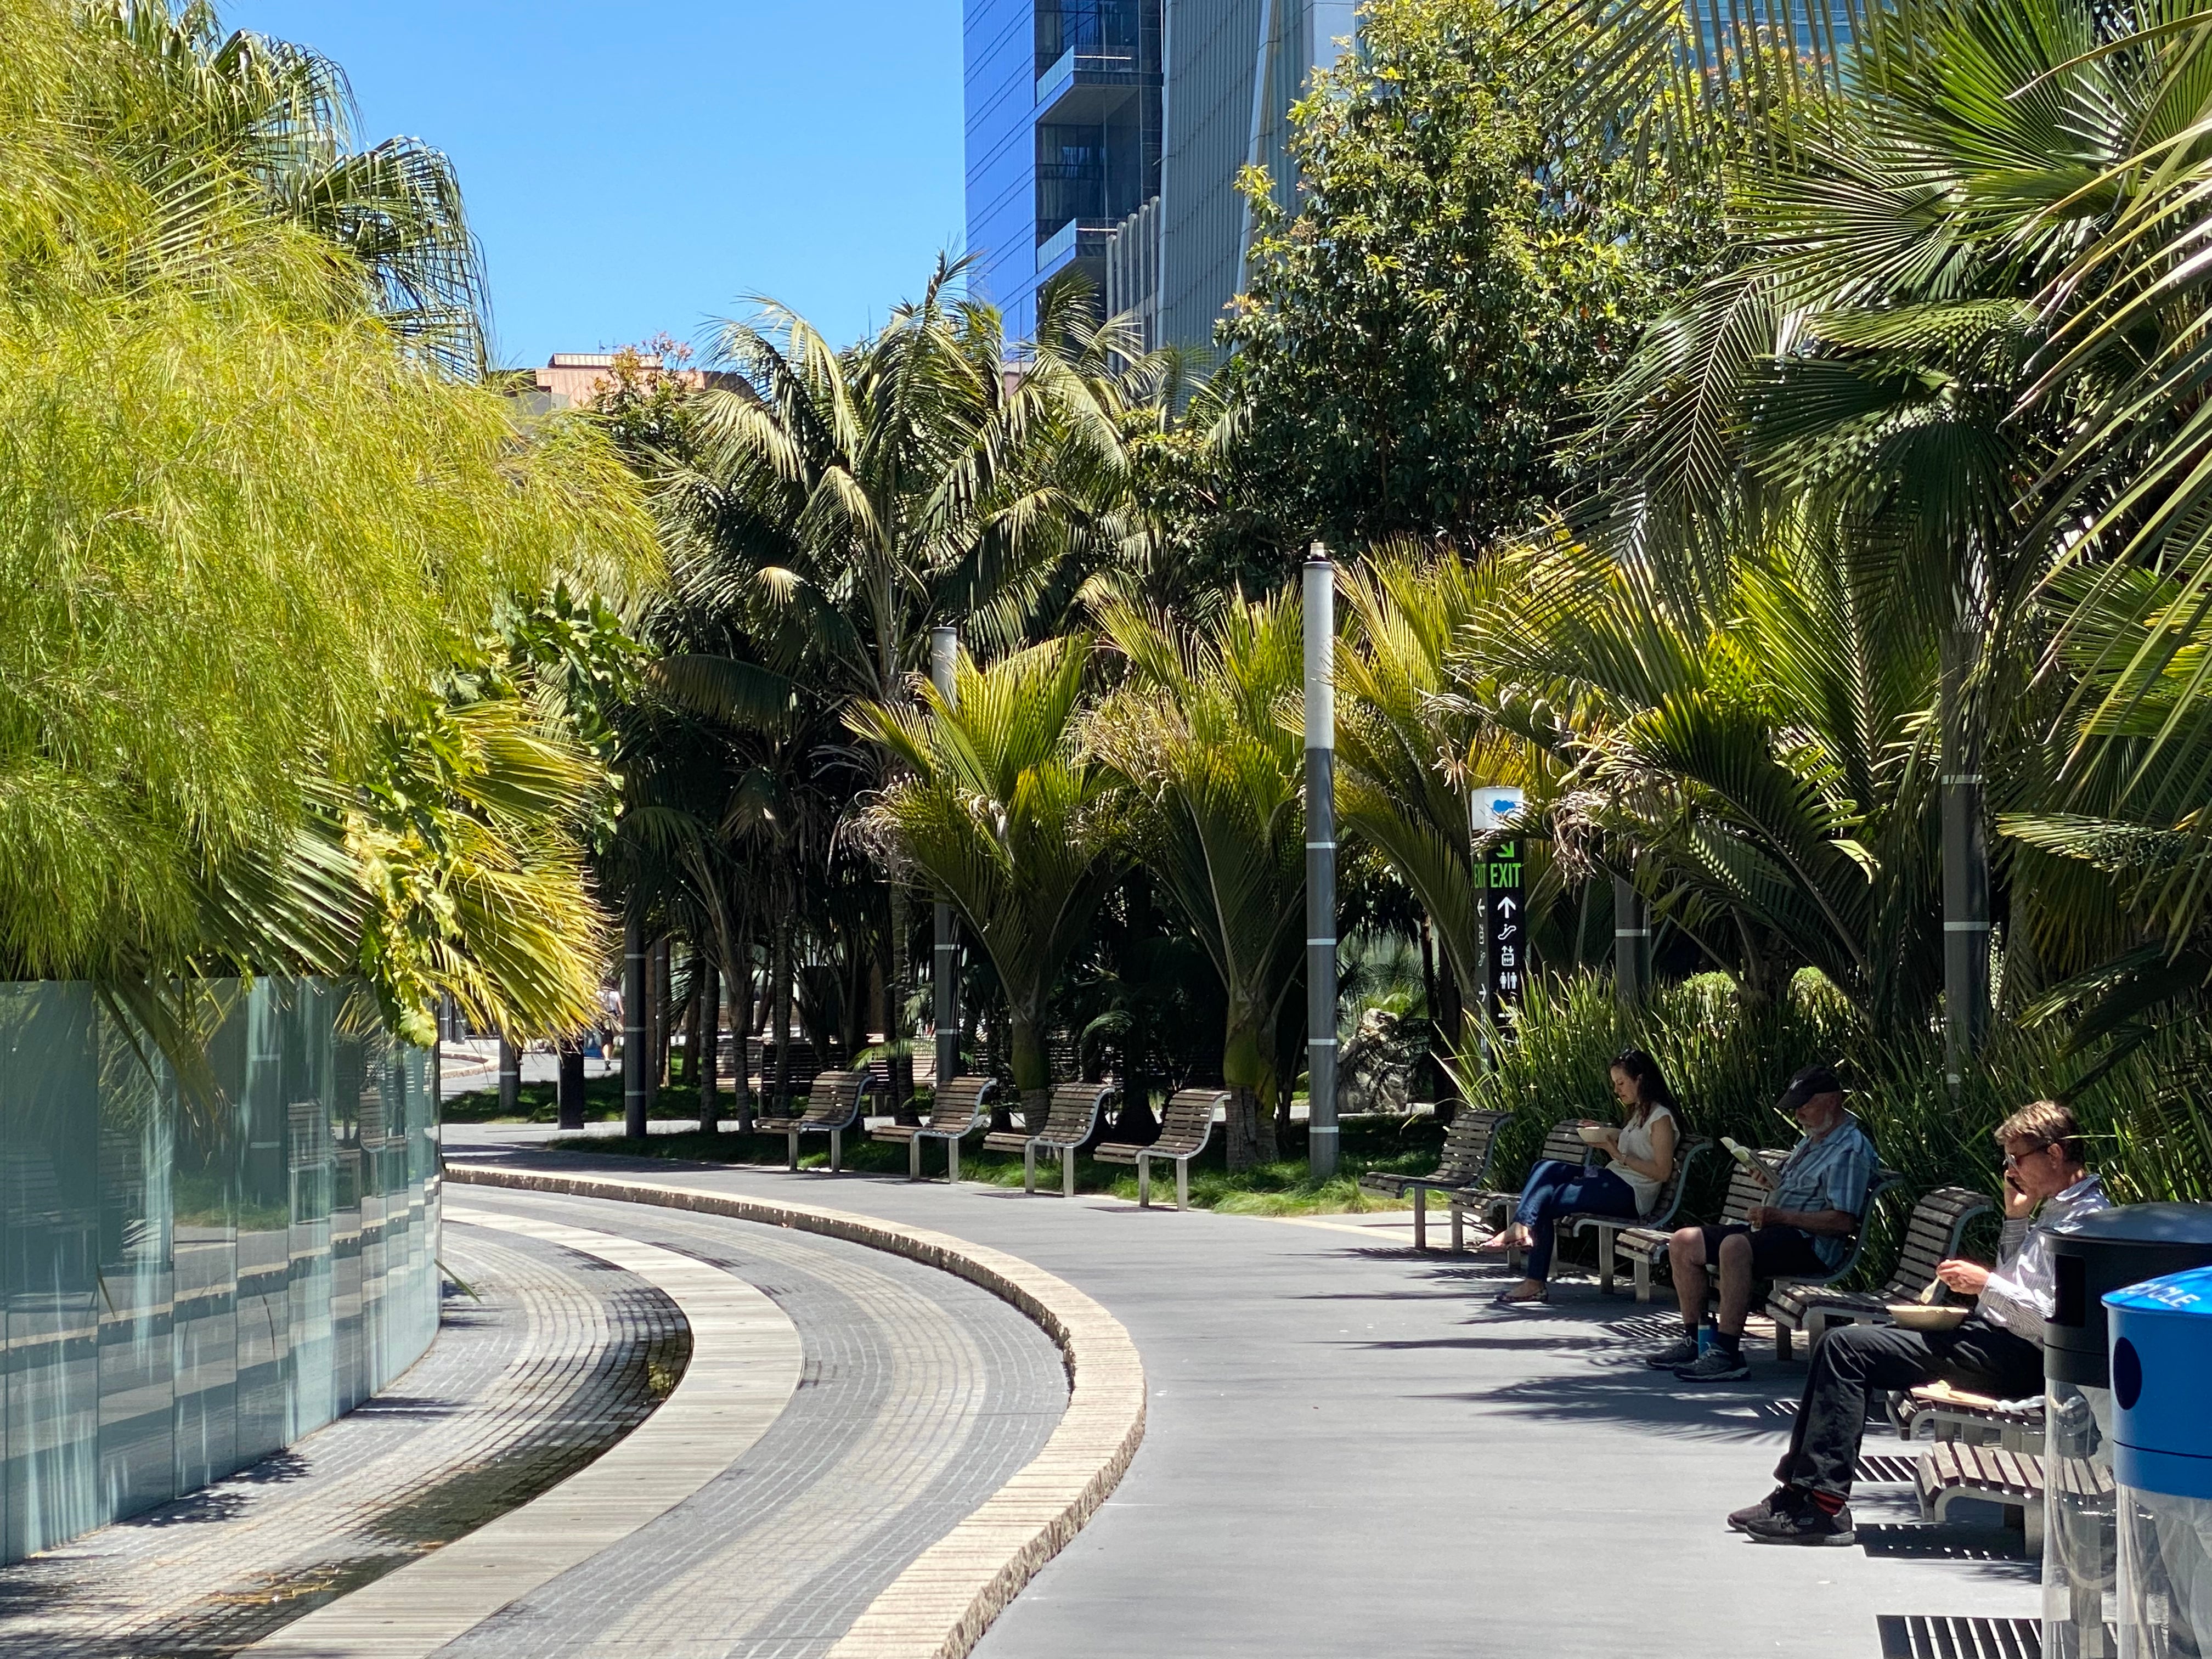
point(203, 1255)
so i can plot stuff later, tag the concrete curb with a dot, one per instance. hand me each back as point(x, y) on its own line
point(939, 1607)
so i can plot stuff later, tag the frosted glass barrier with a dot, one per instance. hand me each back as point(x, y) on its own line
point(209, 1247)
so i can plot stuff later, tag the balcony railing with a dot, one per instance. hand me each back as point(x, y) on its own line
point(1055, 248)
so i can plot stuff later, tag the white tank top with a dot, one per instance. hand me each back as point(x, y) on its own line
point(1636, 1141)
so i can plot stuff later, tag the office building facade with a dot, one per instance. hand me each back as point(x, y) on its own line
point(1107, 135)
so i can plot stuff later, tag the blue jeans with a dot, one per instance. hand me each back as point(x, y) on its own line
point(1554, 1190)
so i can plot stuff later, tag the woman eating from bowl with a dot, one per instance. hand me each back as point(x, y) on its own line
point(1642, 1148)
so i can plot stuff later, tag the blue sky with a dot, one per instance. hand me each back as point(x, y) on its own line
point(638, 167)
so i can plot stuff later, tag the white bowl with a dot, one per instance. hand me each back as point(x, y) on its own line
point(1593, 1135)
point(1920, 1316)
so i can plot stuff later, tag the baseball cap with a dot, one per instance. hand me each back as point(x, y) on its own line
point(1813, 1080)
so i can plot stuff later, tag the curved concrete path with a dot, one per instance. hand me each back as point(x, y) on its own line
point(745, 1364)
point(1348, 1450)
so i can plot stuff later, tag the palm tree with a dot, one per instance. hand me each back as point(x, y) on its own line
point(1003, 809)
point(1206, 733)
point(842, 503)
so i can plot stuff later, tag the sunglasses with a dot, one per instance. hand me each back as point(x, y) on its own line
point(2013, 1159)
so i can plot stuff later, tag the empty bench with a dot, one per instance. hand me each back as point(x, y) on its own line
point(1186, 1125)
point(1470, 1141)
point(1071, 1119)
point(962, 1107)
point(833, 1106)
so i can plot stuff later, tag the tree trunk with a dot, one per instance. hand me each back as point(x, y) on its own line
point(897, 1032)
point(569, 1083)
point(741, 1027)
point(1032, 1068)
point(1241, 1143)
point(780, 973)
point(707, 1001)
point(664, 1009)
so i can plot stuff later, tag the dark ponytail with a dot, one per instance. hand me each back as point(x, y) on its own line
point(1652, 1089)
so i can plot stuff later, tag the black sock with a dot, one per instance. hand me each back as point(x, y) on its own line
point(1730, 1345)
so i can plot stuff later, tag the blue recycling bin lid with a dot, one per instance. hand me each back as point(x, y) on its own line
point(2161, 1366)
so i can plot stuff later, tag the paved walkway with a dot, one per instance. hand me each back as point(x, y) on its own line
point(1350, 1452)
point(556, 1359)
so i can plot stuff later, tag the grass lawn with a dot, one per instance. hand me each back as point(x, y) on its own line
point(1408, 1146)
point(602, 1103)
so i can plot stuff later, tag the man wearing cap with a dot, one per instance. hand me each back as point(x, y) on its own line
point(1819, 1194)
point(1996, 1350)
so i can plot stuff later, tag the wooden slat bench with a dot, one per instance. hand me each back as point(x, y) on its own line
point(962, 1107)
point(1950, 1413)
point(1938, 1224)
point(1560, 1142)
point(1070, 1120)
point(1664, 1208)
point(1954, 1469)
point(1644, 1247)
point(1186, 1125)
point(833, 1106)
point(1470, 1142)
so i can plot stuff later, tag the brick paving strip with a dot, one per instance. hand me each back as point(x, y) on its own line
point(939, 1606)
point(745, 1364)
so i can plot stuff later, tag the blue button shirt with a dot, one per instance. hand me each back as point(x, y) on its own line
point(1832, 1173)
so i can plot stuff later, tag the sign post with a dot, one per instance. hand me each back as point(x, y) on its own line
point(1503, 901)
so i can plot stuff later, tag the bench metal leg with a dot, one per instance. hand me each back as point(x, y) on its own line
point(1144, 1181)
point(793, 1136)
point(836, 1150)
point(1605, 1260)
point(1459, 1231)
point(1420, 1218)
point(914, 1157)
point(1781, 1340)
point(1643, 1279)
point(1183, 1184)
point(952, 1159)
point(1067, 1172)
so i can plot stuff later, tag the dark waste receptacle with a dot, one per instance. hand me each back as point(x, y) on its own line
point(2161, 1366)
point(2092, 1256)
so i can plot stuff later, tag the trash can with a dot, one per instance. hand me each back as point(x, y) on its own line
point(2161, 1366)
point(2093, 1255)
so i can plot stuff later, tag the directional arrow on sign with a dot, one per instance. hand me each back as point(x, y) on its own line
point(1506, 907)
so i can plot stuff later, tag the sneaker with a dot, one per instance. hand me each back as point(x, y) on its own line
point(1774, 1503)
point(1715, 1365)
point(1807, 1523)
point(1680, 1351)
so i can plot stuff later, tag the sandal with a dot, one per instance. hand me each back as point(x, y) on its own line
point(1507, 1298)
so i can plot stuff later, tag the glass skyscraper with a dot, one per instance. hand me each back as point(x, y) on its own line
point(1107, 135)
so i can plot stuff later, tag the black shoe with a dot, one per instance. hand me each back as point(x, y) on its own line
point(1680, 1351)
point(1807, 1523)
point(1782, 1499)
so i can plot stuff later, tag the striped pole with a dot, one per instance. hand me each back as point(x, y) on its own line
point(1320, 864)
point(945, 965)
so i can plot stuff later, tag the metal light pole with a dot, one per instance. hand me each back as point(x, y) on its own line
point(1320, 864)
point(944, 659)
point(510, 1077)
point(1632, 943)
point(636, 1066)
